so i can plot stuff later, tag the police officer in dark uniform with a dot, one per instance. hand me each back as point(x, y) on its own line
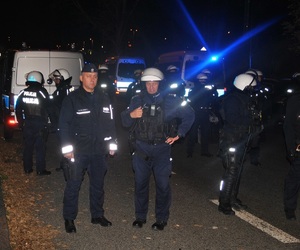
point(151, 116)
point(203, 98)
point(105, 83)
point(135, 87)
point(174, 83)
point(235, 139)
point(291, 128)
point(258, 99)
point(87, 132)
point(62, 80)
point(32, 115)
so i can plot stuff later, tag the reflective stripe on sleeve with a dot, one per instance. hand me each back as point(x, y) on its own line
point(67, 149)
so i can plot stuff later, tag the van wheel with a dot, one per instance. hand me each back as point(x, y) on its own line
point(8, 133)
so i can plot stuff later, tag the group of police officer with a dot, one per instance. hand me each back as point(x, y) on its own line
point(157, 116)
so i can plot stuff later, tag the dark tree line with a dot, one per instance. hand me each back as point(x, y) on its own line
point(292, 25)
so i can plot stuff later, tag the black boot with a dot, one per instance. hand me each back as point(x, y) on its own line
point(237, 204)
point(70, 226)
point(226, 209)
point(226, 188)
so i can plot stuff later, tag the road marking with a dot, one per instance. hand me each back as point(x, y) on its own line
point(264, 226)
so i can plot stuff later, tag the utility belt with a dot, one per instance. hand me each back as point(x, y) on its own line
point(153, 142)
point(34, 118)
point(205, 108)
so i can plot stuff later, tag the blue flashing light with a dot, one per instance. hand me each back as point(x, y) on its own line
point(214, 58)
point(192, 23)
point(249, 35)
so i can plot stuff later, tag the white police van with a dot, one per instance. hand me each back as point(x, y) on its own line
point(191, 63)
point(15, 64)
point(121, 70)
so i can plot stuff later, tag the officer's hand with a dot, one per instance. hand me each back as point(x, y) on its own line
point(53, 129)
point(69, 155)
point(112, 153)
point(171, 140)
point(137, 113)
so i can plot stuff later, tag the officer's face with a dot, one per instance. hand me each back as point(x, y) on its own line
point(89, 80)
point(57, 81)
point(152, 87)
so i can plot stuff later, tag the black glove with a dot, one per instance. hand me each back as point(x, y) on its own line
point(290, 157)
point(52, 129)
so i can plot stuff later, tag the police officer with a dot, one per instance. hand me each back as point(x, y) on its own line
point(32, 115)
point(203, 98)
point(62, 80)
point(259, 101)
point(87, 132)
point(151, 115)
point(105, 83)
point(135, 87)
point(291, 128)
point(235, 139)
point(175, 85)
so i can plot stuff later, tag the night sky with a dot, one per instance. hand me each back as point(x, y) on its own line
point(41, 21)
point(163, 25)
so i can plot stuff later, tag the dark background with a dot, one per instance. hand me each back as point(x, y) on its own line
point(102, 28)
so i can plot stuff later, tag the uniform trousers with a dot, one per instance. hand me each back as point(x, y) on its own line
point(292, 186)
point(96, 167)
point(34, 141)
point(202, 120)
point(154, 159)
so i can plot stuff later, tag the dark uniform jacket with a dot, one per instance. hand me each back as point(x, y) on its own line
point(202, 98)
point(236, 115)
point(175, 84)
point(133, 89)
point(291, 124)
point(86, 122)
point(106, 84)
point(62, 90)
point(172, 109)
point(33, 103)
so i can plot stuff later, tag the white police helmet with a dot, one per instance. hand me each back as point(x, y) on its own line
point(61, 74)
point(244, 80)
point(103, 67)
point(296, 75)
point(152, 74)
point(34, 76)
point(206, 72)
point(137, 72)
point(255, 72)
point(202, 77)
point(172, 68)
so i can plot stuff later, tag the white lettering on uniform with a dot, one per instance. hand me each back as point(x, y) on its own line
point(106, 110)
point(28, 93)
point(31, 100)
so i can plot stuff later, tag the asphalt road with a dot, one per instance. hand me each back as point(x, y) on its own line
point(195, 222)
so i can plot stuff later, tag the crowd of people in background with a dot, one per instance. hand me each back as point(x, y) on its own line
point(158, 114)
